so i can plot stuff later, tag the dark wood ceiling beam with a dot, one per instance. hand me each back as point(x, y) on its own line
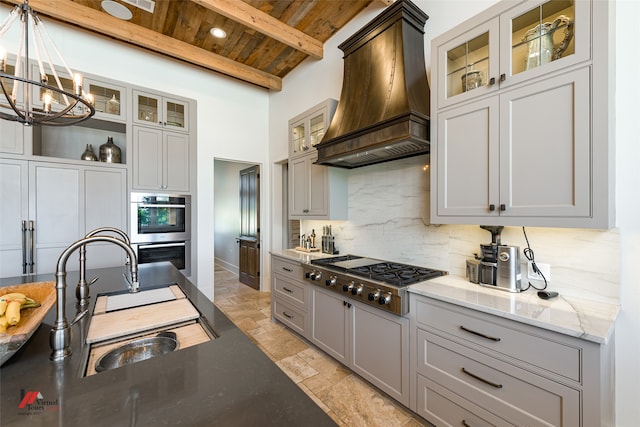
point(84, 17)
point(264, 23)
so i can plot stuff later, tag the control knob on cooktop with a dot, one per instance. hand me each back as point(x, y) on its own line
point(385, 299)
point(357, 290)
point(314, 275)
point(374, 295)
point(349, 286)
point(331, 281)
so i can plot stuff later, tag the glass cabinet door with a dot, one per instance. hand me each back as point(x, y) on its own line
point(147, 109)
point(57, 100)
point(108, 100)
point(544, 36)
point(298, 138)
point(469, 63)
point(175, 114)
point(316, 129)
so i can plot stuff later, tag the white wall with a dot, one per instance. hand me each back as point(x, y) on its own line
point(232, 119)
point(628, 208)
point(226, 212)
point(597, 264)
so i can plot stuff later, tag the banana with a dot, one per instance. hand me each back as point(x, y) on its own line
point(10, 306)
point(14, 296)
point(13, 312)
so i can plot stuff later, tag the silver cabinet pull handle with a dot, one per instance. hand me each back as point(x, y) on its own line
point(32, 229)
point(491, 383)
point(24, 247)
point(480, 334)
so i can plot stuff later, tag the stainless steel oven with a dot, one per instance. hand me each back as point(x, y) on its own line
point(160, 218)
point(178, 253)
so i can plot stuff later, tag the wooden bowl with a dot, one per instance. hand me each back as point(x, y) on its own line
point(30, 318)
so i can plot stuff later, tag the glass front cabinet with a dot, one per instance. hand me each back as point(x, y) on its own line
point(156, 110)
point(516, 88)
point(527, 41)
point(109, 100)
point(307, 129)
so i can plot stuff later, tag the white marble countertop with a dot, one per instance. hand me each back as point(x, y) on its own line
point(303, 257)
point(589, 320)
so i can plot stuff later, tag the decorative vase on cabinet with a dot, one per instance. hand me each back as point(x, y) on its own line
point(89, 154)
point(110, 152)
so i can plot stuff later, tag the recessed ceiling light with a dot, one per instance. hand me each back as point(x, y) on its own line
point(116, 10)
point(218, 33)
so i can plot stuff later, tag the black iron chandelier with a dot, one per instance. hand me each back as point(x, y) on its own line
point(57, 106)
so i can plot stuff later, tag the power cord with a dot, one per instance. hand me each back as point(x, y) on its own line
point(528, 253)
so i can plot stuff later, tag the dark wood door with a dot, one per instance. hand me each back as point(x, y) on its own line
point(249, 239)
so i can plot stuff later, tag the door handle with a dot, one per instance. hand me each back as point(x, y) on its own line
point(24, 247)
point(32, 229)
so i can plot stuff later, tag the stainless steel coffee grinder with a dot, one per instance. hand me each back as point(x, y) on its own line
point(498, 265)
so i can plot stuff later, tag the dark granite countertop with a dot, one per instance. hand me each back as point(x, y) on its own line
point(224, 382)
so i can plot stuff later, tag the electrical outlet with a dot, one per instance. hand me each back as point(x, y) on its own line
point(544, 268)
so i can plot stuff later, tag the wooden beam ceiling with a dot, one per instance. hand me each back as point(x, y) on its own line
point(264, 44)
point(90, 19)
point(266, 24)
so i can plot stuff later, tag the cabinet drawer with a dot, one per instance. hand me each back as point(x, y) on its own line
point(290, 316)
point(289, 290)
point(531, 348)
point(519, 396)
point(287, 268)
point(442, 407)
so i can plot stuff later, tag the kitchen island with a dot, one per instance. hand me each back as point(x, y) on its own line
point(228, 381)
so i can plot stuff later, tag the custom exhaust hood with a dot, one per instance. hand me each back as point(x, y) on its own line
point(383, 112)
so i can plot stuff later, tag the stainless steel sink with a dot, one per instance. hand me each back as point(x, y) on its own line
point(138, 350)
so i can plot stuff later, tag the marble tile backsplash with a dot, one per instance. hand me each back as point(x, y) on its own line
point(389, 219)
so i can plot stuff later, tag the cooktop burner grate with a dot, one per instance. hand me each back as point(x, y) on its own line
point(393, 273)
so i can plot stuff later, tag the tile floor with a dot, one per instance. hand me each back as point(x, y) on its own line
point(348, 399)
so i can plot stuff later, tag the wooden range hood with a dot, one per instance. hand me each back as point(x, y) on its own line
point(383, 112)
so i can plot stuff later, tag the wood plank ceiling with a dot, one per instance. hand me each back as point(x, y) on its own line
point(266, 39)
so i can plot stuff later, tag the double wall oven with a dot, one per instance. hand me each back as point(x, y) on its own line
point(161, 229)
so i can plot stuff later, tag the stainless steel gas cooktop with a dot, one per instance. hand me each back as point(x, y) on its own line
point(375, 282)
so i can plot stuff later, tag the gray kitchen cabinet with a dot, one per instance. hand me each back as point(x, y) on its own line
point(516, 141)
point(307, 129)
point(160, 160)
point(11, 137)
point(154, 109)
point(289, 294)
point(315, 191)
point(373, 343)
point(473, 368)
point(59, 203)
